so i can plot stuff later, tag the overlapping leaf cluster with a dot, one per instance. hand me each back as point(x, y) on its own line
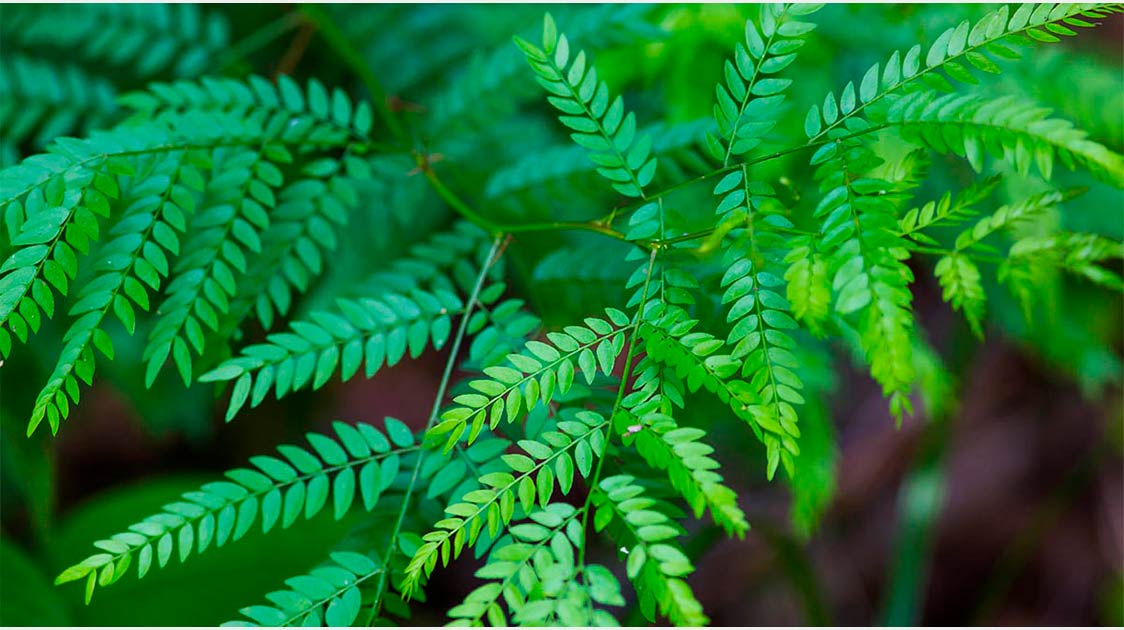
point(210, 220)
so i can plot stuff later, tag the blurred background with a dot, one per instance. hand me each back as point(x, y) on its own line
point(1001, 502)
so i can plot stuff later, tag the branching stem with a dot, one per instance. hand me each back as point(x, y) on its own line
point(438, 398)
point(596, 478)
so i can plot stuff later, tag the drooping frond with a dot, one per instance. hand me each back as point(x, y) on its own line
point(413, 309)
point(158, 200)
point(1007, 127)
point(656, 565)
point(761, 339)
point(808, 283)
point(535, 572)
point(678, 450)
point(236, 208)
point(696, 358)
point(865, 253)
point(370, 332)
point(960, 282)
point(600, 124)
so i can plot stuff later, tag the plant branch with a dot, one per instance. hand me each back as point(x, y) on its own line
point(616, 405)
point(446, 376)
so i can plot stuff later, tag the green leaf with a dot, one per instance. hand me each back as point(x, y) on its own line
point(343, 492)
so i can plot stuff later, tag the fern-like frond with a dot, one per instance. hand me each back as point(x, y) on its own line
point(960, 282)
point(40, 100)
point(364, 460)
point(373, 331)
point(1080, 254)
point(182, 39)
point(215, 113)
point(232, 150)
point(284, 113)
point(548, 462)
point(159, 199)
point(535, 572)
point(303, 229)
point(959, 275)
point(535, 375)
point(948, 210)
point(1007, 127)
point(411, 306)
point(328, 596)
point(678, 450)
point(750, 101)
point(760, 317)
point(52, 203)
point(860, 233)
point(601, 126)
point(696, 359)
point(85, 165)
point(761, 320)
point(237, 207)
point(953, 55)
point(656, 566)
point(808, 282)
point(1007, 217)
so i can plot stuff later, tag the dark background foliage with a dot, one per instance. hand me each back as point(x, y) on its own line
point(1006, 509)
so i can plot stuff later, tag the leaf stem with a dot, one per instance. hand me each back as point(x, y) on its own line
point(937, 251)
point(454, 350)
point(616, 405)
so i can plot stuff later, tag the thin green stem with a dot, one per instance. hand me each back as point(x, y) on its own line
point(462, 208)
point(446, 376)
point(937, 251)
point(565, 225)
point(616, 405)
point(457, 204)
